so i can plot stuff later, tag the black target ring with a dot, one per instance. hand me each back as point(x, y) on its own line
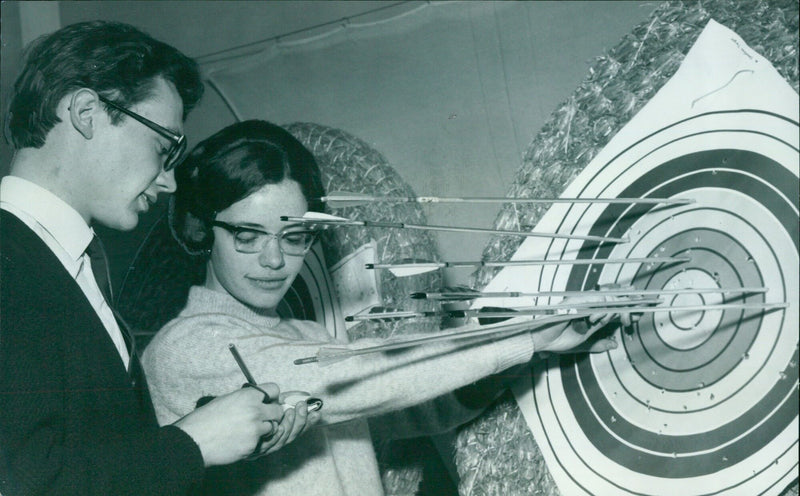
point(676, 368)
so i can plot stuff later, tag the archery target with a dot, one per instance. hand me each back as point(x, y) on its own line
point(312, 295)
point(692, 402)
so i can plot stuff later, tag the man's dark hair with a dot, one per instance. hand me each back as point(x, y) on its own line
point(114, 59)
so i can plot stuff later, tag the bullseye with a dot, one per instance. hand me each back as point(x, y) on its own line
point(686, 320)
point(685, 330)
point(687, 394)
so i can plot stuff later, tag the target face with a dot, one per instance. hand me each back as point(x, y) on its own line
point(312, 295)
point(692, 402)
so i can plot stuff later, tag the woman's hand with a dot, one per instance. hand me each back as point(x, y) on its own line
point(577, 335)
point(294, 422)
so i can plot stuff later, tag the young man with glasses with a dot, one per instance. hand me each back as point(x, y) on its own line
point(96, 120)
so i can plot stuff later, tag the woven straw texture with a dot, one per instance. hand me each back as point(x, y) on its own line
point(349, 164)
point(496, 454)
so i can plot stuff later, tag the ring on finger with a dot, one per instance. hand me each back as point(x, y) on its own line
point(260, 449)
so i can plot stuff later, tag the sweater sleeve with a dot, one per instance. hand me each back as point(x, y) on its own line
point(447, 411)
point(190, 359)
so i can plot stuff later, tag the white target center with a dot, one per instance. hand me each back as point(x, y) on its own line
point(688, 319)
point(686, 329)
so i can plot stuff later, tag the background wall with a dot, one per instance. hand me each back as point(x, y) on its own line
point(449, 153)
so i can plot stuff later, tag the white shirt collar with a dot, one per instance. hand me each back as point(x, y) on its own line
point(58, 218)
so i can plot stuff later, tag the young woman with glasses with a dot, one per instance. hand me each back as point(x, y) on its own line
point(232, 190)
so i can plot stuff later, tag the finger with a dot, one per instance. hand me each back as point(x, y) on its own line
point(301, 414)
point(580, 326)
point(312, 420)
point(600, 324)
point(603, 345)
point(265, 441)
point(596, 317)
point(286, 395)
point(271, 389)
point(284, 431)
point(257, 391)
point(271, 411)
point(272, 443)
point(289, 418)
point(273, 430)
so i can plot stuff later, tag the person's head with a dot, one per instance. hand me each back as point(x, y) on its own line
point(232, 188)
point(69, 104)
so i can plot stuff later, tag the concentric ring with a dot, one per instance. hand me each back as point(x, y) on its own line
point(697, 402)
point(312, 295)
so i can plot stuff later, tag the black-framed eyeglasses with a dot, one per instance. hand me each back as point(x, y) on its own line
point(250, 240)
point(175, 153)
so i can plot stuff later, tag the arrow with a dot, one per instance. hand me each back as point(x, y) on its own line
point(329, 355)
point(499, 312)
point(465, 295)
point(325, 219)
point(344, 199)
point(411, 268)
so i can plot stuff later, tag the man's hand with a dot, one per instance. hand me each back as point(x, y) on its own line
point(229, 428)
point(295, 421)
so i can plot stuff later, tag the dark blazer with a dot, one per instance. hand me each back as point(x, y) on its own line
point(73, 420)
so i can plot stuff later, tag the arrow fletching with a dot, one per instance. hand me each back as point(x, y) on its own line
point(322, 216)
point(408, 267)
point(411, 271)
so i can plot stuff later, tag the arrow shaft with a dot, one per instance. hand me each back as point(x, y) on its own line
point(695, 308)
point(402, 225)
point(609, 292)
point(498, 231)
point(353, 199)
point(598, 307)
point(478, 199)
point(529, 262)
point(517, 312)
point(510, 329)
point(463, 333)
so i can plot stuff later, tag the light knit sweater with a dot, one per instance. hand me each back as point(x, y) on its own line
point(189, 358)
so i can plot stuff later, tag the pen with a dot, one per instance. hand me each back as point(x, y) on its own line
point(251, 382)
point(242, 366)
point(313, 404)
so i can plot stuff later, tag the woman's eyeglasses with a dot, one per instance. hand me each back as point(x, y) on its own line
point(250, 240)
point(178, 142)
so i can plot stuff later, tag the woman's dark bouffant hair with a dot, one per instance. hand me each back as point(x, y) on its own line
point(229, 166)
